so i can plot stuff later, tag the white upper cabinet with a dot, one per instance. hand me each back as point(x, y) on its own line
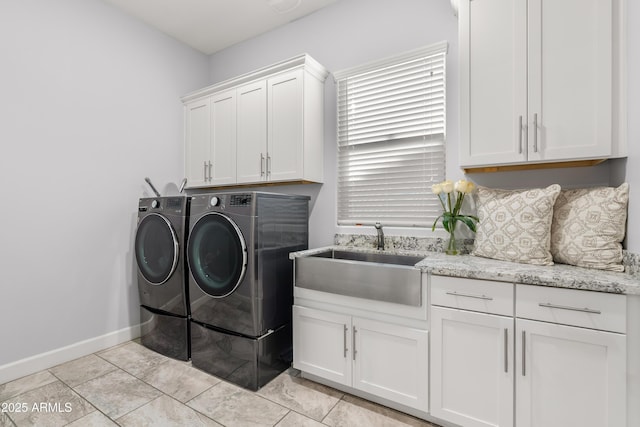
point(265, 126)
point(252, 133)
point(210, 128)
point(223, 138)
point(539, 81)
point(198, 133)
point(286, 123)
point(493, 44)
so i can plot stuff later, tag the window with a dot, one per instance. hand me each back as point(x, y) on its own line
point(391, 139)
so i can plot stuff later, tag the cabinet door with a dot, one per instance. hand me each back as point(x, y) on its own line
point(321, 344)
point(568, 376)
point(223, 138)
point(472, 368)
point(252, 133)
point(197, 140)
point(285, 125)
point(391, 362)
point(493, 84)
point(570, 79)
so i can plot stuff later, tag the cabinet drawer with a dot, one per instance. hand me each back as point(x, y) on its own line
point(594, 310)
point(470, 294)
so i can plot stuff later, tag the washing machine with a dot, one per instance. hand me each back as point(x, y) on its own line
point(160, 256)
point(241, 282)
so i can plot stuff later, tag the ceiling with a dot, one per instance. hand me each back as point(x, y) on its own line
point(212, 25)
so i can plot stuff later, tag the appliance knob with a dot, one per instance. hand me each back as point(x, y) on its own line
point(155, 204)
point(214, 201)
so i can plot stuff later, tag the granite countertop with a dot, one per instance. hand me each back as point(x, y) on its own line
point(472, 267)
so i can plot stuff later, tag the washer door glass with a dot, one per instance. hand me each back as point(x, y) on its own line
point(217, 255)
point(156, 249)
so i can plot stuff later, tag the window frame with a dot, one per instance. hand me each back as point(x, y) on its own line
point(423, 196)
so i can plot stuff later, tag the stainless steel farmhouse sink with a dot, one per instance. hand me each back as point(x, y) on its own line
point(377, 276)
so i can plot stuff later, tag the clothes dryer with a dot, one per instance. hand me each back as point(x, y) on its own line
point(160, 256)
point(241, 282)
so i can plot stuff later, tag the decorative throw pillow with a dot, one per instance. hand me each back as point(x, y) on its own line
point(515, 225)
point(588, 227)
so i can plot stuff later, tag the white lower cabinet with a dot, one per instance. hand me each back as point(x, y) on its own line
point(569, 376)
point(558, 360)
point(390, 361)
point(571, 358)
point(321, 344)
point(386, 360)
point(471, 368)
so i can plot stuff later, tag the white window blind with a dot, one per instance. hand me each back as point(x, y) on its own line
point(391, 139)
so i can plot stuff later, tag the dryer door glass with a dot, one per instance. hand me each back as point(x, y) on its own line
point(217, 255)
point(156, 249)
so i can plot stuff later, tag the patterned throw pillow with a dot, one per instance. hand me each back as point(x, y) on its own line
point(588, 227)
point(515, 225)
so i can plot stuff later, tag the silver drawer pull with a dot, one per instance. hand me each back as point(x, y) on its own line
point(520, 135)
point(535, 133)
point(355, 331)
point(458, 294)
point(506, 350)
point(565, 307)
point(524, 353)
point(345, 342)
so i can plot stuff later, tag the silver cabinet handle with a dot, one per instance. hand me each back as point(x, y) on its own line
point(354, 342)
point(566, 307)
point(506, 350)
point(268, 165)
point(535, 133)
point(345, 342)
point(520, 135)
point(210, 174)
point(459, 294)
point(205, 171)
point(261, 164)
point(524, 353)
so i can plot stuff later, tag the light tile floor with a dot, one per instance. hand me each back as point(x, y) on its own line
point(130, 385)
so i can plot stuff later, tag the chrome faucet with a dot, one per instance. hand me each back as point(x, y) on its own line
point(380, 242)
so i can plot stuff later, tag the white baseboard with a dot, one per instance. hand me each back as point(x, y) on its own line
point(39, 362)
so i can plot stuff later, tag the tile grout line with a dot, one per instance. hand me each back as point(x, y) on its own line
point(10, 420)
point(283, 417)
point(79, 396)
point(162, 392)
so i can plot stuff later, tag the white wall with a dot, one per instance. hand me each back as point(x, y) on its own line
point(89, 106)
point(346, 34)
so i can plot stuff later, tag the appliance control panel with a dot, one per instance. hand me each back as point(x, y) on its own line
point(171, 205)
point(240, 200)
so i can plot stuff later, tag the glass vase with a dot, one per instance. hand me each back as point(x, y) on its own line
point(452, 249)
